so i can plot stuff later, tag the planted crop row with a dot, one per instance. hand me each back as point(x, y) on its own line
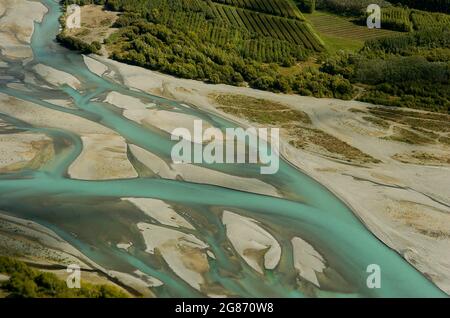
point(282, 8)
point(290, 30)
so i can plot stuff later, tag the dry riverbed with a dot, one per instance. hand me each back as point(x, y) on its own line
point(391, 167)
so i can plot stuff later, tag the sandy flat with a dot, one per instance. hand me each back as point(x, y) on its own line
point(160, 211)
point(250, 240)
point(197, 174)
point(17, 150)
point(62, 102)
point(17, 26)
point(44, 117)
point(94, 66)
point(56, 77)
point(19, 87)
point(124, 246)
point(30, 239)
point(364, 188)
point(184, 253)
point(128, 103)
point(39, 245)
point(146, 114)
point(307, 261)
point(103, 157)
point(136, 282)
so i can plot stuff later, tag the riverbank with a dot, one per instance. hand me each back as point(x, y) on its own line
point(406, 205)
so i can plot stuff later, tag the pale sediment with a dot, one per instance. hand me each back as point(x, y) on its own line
point(375, 192)
point(184, 253)
point(17, 151)
point(160, 211)
point(17, 26)
point(41, 116)
point(192, 173)
point(56, 77)
point(103, 157)
point(307, 261)
point(253, 243)
point(142, 282)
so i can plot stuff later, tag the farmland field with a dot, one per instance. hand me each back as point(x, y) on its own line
point(247, 43)
point(272, 45)
point(342, 27)
point(292, 30)
point(282, 8)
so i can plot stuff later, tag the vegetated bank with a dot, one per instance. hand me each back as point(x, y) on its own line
point(410, 69)
point(26, 282)
point(223, 43)
point(270, 45)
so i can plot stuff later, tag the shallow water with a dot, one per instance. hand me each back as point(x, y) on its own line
point(91, 216)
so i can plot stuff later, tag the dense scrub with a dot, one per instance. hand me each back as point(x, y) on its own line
point(226, 41)
point(203, 40)
point(282, 8)
point(78, 45)
point(398, 18)
point(411, 70)
point(26, 282)
point(307, 6)
point(406, 20)
point(349, 7)
point(412, 43)
point(72, 42)
point(427, 5)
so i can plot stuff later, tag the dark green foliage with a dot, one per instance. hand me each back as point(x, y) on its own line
point(282, 8)
point(348, 7)
point(422, 20)
point(308, 6)
point(219, 43)
point(412, 43)
point(189, 39)
point(75, 44)
point(25, 282)
point(427, 5)
point(402, 70)
point(398, 18)
point(406, 20)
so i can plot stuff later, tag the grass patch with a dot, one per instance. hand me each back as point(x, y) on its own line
point(357, 111)
point(26, 282)
point(296, 123)
point(377, 121)
point(419, 157)
point(260, 110)
point(427, 124)
point(445, 140)
point(407, 136)
point(334, 43)
point(341, 33)
point(306, 136)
